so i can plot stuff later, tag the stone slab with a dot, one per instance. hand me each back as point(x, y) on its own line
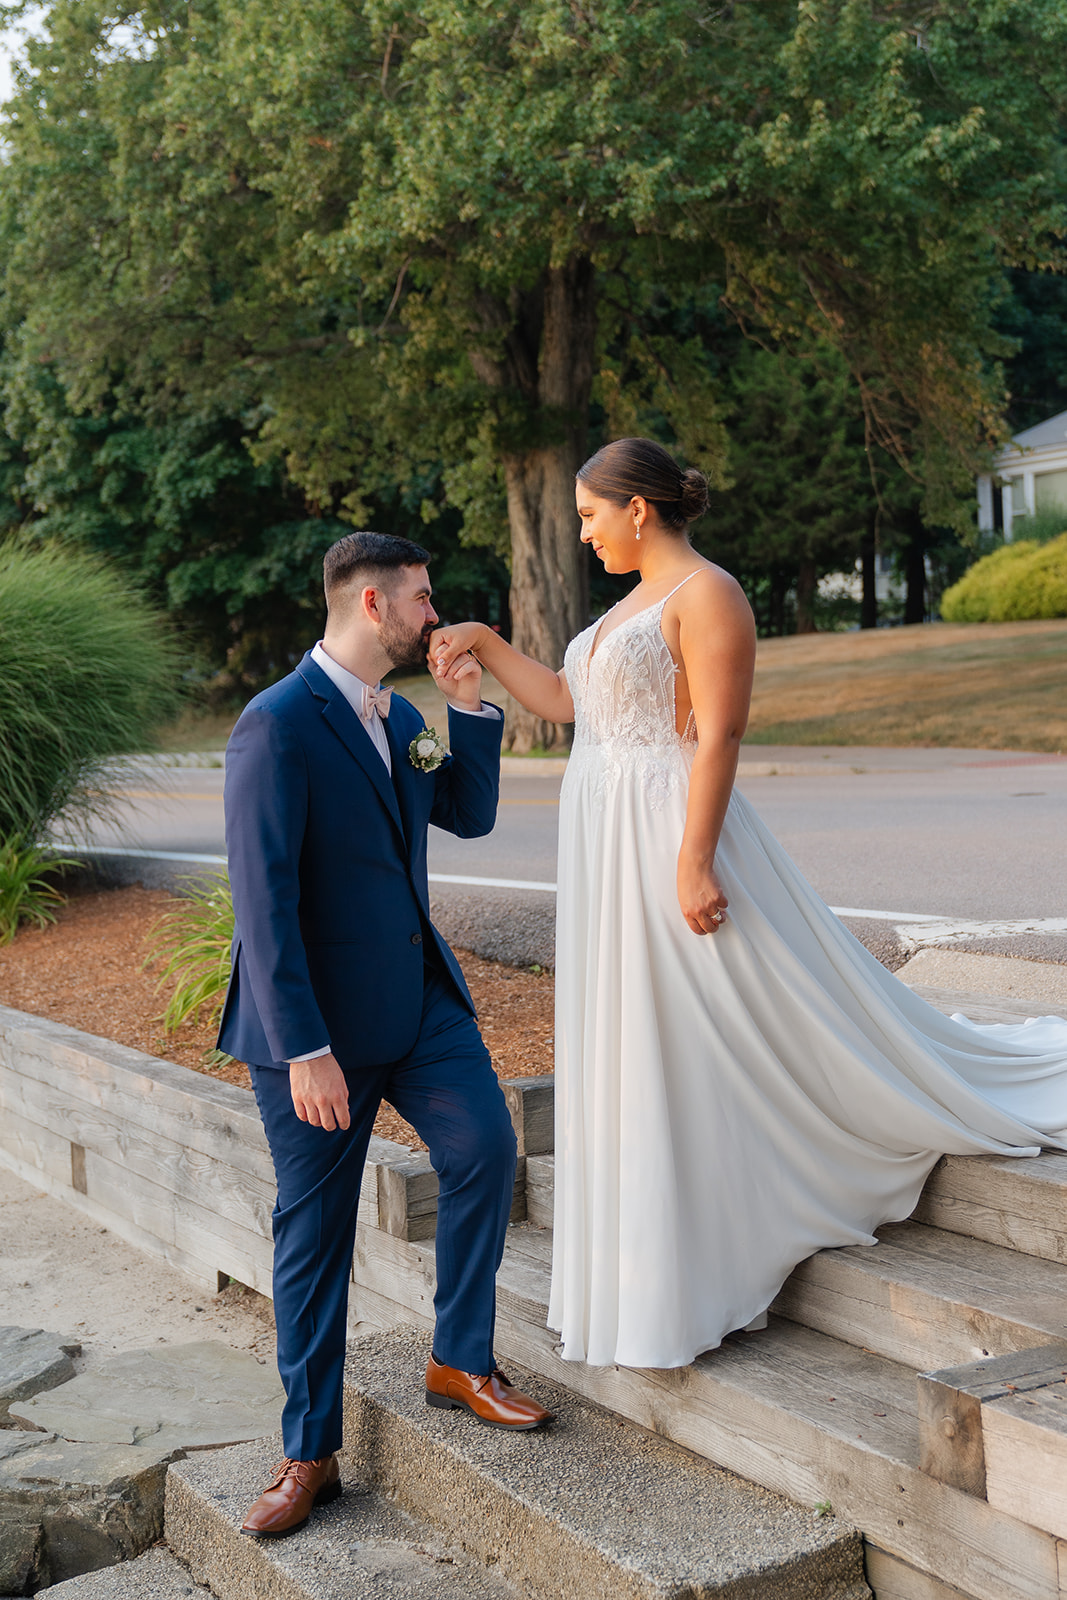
point(593, 1506)
point(32, 1360)
point(358, 1548)
point(178, 1397)
point(70, 1508)
point(1003, 976)
point(157, 1575)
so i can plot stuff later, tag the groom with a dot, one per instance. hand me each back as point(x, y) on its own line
point(343, 994)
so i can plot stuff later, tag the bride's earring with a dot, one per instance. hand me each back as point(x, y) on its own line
point(637, 525)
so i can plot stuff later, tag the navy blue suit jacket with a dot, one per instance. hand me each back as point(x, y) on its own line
point(327, 860)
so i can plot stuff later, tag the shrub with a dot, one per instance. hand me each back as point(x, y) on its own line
point(26, 895)
point(88, 671)
point(1018, 582)
point(194, 941)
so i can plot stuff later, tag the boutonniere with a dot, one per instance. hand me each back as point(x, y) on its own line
point(426, 751)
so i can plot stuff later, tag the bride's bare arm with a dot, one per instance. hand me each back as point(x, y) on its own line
point(537, 687)
point(717, 645)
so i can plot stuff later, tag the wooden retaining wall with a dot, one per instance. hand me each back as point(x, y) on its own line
point(177, 1163)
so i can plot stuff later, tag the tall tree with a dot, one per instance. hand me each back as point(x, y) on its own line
point(394, 237)
point(802, 494)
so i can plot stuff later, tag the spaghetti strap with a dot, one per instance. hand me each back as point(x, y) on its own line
point(681, 585)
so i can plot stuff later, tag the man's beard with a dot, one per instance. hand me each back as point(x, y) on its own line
point(404, 646)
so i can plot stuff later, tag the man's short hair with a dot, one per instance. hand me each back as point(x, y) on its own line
point(366, 560)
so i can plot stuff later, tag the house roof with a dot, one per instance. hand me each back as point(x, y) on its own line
point(1052, 431)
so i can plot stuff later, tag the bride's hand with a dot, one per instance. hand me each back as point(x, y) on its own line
point(454, 640)
point(701, 897)
point(454, 668)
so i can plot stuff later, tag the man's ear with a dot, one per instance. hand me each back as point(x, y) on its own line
point(371, 603)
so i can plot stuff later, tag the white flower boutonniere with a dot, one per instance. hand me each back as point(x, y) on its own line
point(426, 750)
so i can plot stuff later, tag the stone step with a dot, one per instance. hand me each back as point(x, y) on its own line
point(807, 1415)
point(928, 1298)
point(358, 1548)
point(437, 1506)
point(591, 1506)
point(157, 1575)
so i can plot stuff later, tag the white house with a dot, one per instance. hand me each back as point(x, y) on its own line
point(1030, 475)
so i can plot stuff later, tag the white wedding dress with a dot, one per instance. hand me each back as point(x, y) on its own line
point(727, 1105)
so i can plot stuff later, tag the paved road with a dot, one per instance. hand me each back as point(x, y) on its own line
point(948, 833)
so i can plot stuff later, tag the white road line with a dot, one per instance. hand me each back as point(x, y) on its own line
point(492, 883)
point(915, 927)
point(885, 916)
point(940, 931)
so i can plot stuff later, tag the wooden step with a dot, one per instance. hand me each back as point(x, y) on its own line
point(928, 1298)
point(812, 1417)
point(999, 1429)
point(1017, 1202)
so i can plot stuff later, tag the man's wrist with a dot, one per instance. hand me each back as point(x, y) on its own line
point(482, 709)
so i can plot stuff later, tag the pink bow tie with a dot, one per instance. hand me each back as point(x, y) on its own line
point(376, 700)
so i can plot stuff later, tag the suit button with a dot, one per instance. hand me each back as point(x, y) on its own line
point(416, 938)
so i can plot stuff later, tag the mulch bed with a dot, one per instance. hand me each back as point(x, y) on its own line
point(88, 972)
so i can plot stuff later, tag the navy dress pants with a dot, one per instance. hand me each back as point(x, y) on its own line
point(447, 1089)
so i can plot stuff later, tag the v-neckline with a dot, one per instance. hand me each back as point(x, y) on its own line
point(595, 646)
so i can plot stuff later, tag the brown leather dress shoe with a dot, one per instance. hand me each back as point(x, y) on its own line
point(286, 1503)
point(492, 1400)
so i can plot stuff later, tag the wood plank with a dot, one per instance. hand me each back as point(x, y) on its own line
point(1025, 1437)
point(802, 1414)
point(181, 1224)
point(893, 1579)
point(148, 1093)
point(951, 1408)
point(39, 1150)
point(928, 1298)
point(244, 1197)
point(120, 1225)
point(1018, 1203)
point(540, 1185)
point(531, 1102)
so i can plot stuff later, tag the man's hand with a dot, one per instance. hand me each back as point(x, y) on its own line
point(455, 671)
point(320, 1093)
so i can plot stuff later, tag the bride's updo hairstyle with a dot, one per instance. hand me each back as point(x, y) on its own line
point(641, 466)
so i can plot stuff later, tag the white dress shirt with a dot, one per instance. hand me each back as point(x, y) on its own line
point(352, 689)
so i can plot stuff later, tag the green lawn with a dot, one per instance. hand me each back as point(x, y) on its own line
point(984, 686)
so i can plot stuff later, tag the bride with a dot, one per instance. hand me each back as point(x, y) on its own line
point(739, 1083)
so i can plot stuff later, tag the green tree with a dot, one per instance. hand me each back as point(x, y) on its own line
point(401, 241)
point(802, 494)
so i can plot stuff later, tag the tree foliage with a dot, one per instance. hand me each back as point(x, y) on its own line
point(430, 256)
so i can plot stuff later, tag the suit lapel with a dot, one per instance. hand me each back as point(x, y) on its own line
point(403, 771)
point(353, 735)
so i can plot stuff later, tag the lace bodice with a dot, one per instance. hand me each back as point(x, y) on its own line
point(623, 690)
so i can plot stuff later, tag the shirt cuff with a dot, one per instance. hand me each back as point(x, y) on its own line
point(312, 1055)
point(485, 710)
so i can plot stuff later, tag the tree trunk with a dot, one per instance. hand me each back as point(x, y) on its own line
point(549, 573)
point(807, 577)
point(915, 570)
point(869, 601)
